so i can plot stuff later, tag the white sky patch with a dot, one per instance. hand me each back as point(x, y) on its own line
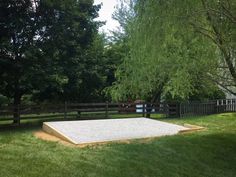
point(105, 14)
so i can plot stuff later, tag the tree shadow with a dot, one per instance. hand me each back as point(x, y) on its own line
point(195, 155)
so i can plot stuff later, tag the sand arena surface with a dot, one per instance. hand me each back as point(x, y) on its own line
point(98, 131)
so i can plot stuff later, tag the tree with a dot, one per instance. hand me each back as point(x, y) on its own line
point(17, 37)
point(167, 56)
point(117, 47)
point(42, 44)
point(123, 14)
point(218, 24)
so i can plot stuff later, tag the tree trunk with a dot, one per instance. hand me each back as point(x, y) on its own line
point(16, 106)
point(148, 114)
point(156, 97)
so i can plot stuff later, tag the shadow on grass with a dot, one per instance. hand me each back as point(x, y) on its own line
point(29, 125)
point(195, 155)
point(199, 154)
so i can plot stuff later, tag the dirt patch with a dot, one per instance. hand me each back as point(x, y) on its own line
point(47, 137)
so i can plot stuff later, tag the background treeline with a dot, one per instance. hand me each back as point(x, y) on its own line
point(51, 51)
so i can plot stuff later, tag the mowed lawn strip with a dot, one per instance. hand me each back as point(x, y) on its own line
point(207, 153)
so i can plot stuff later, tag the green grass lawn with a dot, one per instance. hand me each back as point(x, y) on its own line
point(208, 153)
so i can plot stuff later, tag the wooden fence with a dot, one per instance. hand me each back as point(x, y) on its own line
point(206, 108)
point(67, 110)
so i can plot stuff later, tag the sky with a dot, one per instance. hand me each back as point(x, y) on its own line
point(105, 14)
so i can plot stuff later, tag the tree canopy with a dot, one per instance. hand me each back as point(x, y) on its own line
point(48, 49)
point(171, 53)
point(51, 51)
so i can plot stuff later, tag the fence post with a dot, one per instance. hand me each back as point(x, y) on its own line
point(106, 110)
point(216, 106)
point(16, 114)
point(178, 109)
point(167, 110)
point(234, 105)
point(65, 110)
point(143, 109)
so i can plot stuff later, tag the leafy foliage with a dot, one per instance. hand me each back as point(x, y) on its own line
point(168, 58)
point(47, 49)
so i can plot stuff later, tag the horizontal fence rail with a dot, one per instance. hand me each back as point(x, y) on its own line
point(206, 108)
point(67, 110)
point(75, 109)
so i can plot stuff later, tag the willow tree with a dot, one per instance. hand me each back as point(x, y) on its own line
point(168, 57)
point(218, 25)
